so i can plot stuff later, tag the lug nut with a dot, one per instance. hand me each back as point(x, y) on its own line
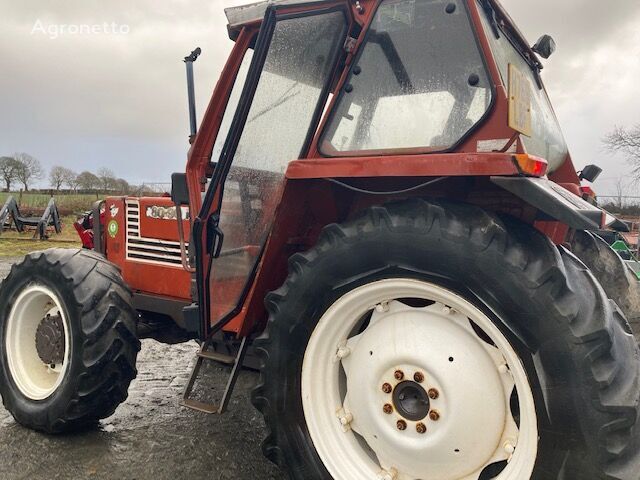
point(418, 377)
point(421, 428)
point(434, 415)
point(388, 409)
point(398, 374)
point(383, 306)
point(401, 424)
point(343, 352)
point(386, 388)
point(433, 393)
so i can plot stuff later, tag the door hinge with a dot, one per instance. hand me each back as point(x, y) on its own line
point(350, 44)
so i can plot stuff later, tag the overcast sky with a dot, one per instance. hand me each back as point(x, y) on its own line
point(117, 97)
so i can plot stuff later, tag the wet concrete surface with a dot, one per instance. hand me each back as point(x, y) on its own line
point(150, 436)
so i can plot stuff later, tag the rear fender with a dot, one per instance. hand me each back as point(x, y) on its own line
point(556, 202)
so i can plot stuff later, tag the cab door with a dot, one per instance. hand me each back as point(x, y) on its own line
point(278, 110)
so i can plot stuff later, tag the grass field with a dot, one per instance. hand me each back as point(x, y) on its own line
point(15, 244)
point(67, 203)
point(19, 247)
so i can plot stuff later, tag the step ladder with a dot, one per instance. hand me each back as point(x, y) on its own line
point(236, 365)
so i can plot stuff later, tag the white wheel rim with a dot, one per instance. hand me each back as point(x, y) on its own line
point(343, 399)
point(35, 379)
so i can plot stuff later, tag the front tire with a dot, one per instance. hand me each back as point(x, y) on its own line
point(68, 346)
point(531, 308)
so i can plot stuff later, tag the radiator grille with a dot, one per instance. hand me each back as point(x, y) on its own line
point(148, 250)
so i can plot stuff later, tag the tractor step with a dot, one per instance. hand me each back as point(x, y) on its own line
point(217, 357)
point(205, 354)
point(200, 406)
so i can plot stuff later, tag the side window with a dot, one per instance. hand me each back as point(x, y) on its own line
point(298, 66)
point(300, 58)
point(546, 140)
point(420, 81)
point(232, 105)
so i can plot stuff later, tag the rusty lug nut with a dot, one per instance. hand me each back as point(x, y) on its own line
point(386, 388)
point(433, 393)
point(418, 377)
point(388, 409)
point(401, 424)
point(434, 415)
point(421, 428)
point(398, 374)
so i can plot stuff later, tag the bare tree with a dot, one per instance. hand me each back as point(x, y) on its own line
point(70, 179)
point(627, 142)
point(122, 186)
point(87, 181)
point(56, 177)
point(107, 179)
point(8, 171)
point(621, 186)
point(28, 170)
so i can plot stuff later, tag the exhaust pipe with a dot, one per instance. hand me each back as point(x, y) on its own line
point(188, 60)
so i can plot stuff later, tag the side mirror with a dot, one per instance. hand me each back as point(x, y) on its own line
point(590, 173)
point(545, 46)
point(179, 189)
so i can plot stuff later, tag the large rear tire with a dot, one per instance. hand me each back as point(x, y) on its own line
point(418, 296)
point(618, 281)
point(68, 346)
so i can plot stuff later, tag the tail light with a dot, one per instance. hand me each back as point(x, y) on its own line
point(531, 165)
point(587, 191)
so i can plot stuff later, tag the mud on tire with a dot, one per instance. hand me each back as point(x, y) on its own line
point(103, 348)
point(580, 356)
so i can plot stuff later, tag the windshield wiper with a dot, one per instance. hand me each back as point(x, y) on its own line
point(493, 20)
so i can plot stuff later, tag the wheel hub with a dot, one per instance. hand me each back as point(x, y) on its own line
point(37, 342)
point(50, 342)
point(441, 436)
point(363, 383)
point(411, 401)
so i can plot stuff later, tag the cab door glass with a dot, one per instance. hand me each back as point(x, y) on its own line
point(232, 105)
point(301, 57)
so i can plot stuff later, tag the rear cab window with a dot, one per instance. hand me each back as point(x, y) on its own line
point(419, 82)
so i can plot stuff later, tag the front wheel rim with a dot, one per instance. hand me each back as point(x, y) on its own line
point(25, 327)
point(454, 369)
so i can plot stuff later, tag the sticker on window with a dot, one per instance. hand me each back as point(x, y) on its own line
point(519, 101)
point(498, 145)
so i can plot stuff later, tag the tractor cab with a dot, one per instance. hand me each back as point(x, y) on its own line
point(321, 107)
point(318, 94)
point(400, 88)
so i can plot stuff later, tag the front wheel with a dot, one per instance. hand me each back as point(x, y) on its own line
point(68, 346)
point(437, 341)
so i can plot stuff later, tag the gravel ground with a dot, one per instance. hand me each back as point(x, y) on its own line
point(150, 436)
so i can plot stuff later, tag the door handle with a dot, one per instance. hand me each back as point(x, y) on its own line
point(215, 236)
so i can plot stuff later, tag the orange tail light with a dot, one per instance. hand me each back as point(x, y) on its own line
point(531, 165)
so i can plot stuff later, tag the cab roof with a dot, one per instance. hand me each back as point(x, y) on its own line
point(254, 12)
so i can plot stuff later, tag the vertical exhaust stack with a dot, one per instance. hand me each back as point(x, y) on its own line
point(188, 60)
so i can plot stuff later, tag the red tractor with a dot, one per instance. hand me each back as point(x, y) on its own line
point(380, 203)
